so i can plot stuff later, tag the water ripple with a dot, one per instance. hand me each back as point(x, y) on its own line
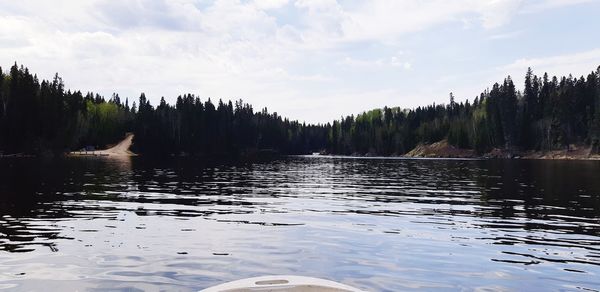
point(378, 224)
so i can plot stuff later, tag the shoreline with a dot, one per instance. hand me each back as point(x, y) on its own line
point(592, 158)
point(438, 150)
point(443, 150)
point(535, 156)
point(121, 149)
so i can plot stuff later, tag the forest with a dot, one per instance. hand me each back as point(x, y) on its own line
point(43, 118)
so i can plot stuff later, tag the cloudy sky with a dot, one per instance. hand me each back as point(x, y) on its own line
point(308, 60)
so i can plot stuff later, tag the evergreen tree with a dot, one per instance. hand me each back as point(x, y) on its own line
point(42, 117)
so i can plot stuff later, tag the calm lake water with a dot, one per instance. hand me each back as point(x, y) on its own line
point(377, 224)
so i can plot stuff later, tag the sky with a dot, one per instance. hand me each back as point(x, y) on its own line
point(313, 61)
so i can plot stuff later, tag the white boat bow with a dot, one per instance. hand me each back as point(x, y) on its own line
point(282, 284)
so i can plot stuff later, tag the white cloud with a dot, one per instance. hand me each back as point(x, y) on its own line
point(581, 63)
point(540, 5)
point(236, 48)
point(391, 62)
point(390, 18)
point(496, 13)
point(269, 4)
point(505, 35)
point(319, 5)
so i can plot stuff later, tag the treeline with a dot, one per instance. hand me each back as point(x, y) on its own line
point(193, 127)
point(550, 113)
point(41, 117)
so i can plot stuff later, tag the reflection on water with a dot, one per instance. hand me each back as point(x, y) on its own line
point(379, 224)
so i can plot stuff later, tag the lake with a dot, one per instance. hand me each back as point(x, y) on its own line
point(377, 224)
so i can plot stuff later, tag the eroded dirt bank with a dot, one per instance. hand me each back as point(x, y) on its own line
point(443, 149)
point(121, 149)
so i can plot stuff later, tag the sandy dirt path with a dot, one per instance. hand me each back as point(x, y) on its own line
point(121, 149)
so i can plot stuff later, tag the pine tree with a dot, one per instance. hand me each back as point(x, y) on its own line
point(595, 129)
point(529, 106)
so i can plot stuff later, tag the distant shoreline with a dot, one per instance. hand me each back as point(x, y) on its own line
point(443, 150)
point(121, 149)
point(535, 156)
point(481, 157)
point(437, 150)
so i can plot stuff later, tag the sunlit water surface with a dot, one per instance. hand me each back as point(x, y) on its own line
point(377, 224)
